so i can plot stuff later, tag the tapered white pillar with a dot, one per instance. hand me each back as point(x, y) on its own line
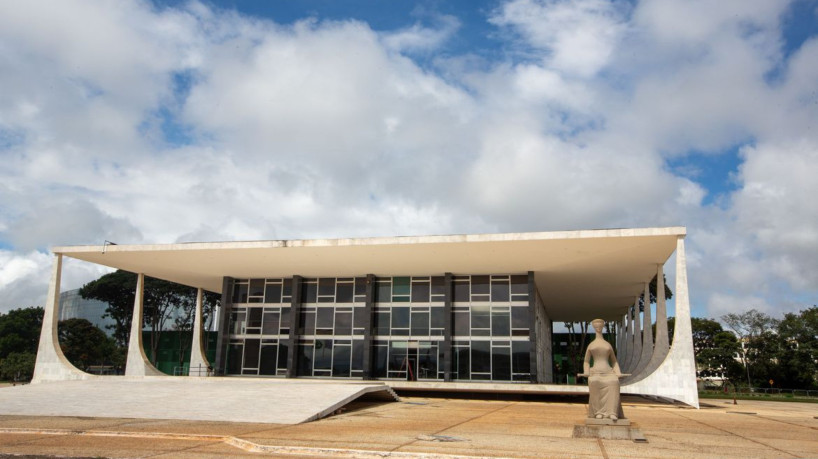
point(675, 377)
point(138, 363)
point(51, 364)
point(629, 342)
point(622, 351)
point(647, 336)
point(198, 360)
point(637, 337)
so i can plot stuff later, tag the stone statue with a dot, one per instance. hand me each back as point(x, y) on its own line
point(603, 377)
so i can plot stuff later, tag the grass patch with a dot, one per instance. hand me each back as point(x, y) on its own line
point(757, 396)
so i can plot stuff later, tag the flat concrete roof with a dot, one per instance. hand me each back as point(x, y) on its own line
point(579, 274)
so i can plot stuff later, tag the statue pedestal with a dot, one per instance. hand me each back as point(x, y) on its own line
point(607, 429)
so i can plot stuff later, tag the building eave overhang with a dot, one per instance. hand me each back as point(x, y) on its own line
point(579, 274)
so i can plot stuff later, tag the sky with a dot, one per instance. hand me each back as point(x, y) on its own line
point(138, 121)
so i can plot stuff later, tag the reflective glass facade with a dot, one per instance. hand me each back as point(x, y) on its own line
point(383, 327)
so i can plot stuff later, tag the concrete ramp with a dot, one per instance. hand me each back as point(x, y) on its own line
point(277, 401)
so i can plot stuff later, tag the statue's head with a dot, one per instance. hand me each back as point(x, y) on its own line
point(598, 324)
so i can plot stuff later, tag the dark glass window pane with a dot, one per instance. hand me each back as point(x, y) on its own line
point(501, 364)
point(345, 293)
point(461, 324)
point(323, 354)
point(270, 326)
point(383, 294)
point(420, 293)
point(326, 286)
point(269, 359)
point(256, 287)
point(521, 356)
point(343, 323)
point(400, 286)
point(382, 323)
point(381, 354)
point(462, 363)
point(400, 317)
point(282, 355)
point(254, 317)
point(420, 323)
point(480, 285)
point(427, 362)
point(287, 289)
point(272, 293)
point(251, 353)
point(340, 361)
point(359, 317)
point(397, 356)
point(305, 356)
point(500, 291)
point(519, 284)
point(480, 357)
point(480, 317)
point(234, 356)
point(309, 293)
point(519, 317)
point(240, 293)
point(438, 285)
point(438, 318)
point(307, 323)
point(358, 354)
point(360, 285)
point(500, 324)
point(324, 318)
point(462, 292)
point(285, 317)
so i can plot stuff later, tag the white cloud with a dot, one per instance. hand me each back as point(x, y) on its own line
point(331, 129)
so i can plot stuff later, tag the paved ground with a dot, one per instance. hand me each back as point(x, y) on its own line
point(282, 401)
point(436, 427)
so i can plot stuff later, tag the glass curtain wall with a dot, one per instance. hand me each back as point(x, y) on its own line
point(331, 335)
point(259, 327)
point(490, 339)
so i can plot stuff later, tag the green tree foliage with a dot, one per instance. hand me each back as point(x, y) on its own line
point(84, 344)
point(17, 366)
point(715, 350)
point(752, 328)
point(20, 331)
point(19, 338)
point(118, 289)
point(798, 354)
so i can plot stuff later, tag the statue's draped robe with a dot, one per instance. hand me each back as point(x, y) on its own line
point(603, 383)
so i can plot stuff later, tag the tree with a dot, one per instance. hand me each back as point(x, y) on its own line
point(118, 289)
point(17, 366)
point(20, 331)
point(749, 326)
point(798, 356)
point(715, 349)
point(84, 344)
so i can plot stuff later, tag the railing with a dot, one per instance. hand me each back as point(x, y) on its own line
point(764, 391)
point(184, 370)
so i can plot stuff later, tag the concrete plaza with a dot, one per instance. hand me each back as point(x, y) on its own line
point(435, 427)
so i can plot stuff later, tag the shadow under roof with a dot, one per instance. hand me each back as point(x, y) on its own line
point(580, 275)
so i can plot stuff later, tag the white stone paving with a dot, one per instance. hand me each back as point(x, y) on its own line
point(202, 399)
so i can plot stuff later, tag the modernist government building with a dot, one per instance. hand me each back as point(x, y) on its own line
point(459, 312)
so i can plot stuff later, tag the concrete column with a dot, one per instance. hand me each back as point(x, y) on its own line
point(138, 363)
point(532, 332)
point(295, 324)
point(198, 360)
point(647, 335)
point(223, 337)
point(622, 349)
point(369, 356)
point(637, 336)
point(628, 342)
point(447, 327)
point(676, 375)
point(51, 364)
point(660, 347)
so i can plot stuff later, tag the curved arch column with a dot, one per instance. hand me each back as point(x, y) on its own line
point(198, 360)
point(51, 364)
point(138, 363)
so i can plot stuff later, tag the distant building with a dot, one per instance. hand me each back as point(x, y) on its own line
point(74, 306)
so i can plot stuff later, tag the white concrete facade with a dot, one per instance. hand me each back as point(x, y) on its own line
point(618, 262)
